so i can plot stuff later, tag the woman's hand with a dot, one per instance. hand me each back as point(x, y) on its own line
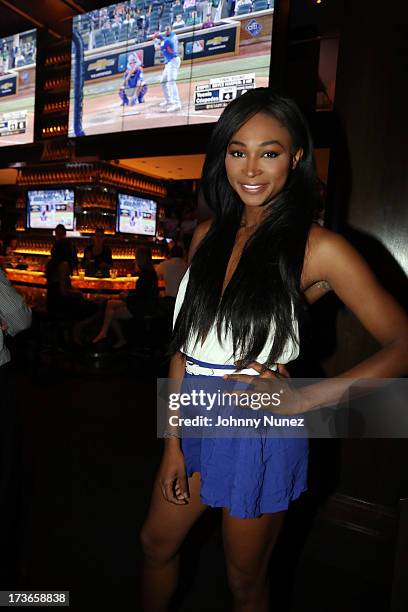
point(172, 474)
point(277, 394)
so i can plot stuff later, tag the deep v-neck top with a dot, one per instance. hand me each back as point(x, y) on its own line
point(212, 350)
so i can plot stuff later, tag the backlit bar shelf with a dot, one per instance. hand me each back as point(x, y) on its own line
point(46, 251)
point(91, 173)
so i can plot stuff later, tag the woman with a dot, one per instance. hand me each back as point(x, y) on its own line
point(252, 267)
point(136, 303)
point(97, 255)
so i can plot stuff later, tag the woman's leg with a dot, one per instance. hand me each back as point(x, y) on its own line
point(165, 528)
point(79, 327)
point(117, 328)
point(248, 544)
point(115, 309)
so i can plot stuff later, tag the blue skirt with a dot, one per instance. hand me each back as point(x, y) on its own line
point(249, 476)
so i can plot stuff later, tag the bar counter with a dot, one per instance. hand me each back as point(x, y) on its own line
point(32, 278)
point(33, 285)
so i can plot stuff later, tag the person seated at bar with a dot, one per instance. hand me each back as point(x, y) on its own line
point(132, 304)
point(97, 256)
point(62, 299)
point(172, 271)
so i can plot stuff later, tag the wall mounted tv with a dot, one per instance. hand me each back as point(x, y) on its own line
point(130, 73)
point(17, 88)
point(136, 215)
point(46, 208)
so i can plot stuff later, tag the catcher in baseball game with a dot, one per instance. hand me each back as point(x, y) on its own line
point(134, 86)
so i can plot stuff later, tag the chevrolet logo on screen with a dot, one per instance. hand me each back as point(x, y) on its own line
point(217, 40)
point(101, 64)
point(6, 86)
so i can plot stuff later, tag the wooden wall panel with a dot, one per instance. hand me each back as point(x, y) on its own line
point(368, 202)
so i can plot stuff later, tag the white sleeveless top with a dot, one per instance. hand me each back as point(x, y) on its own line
point(221, 353)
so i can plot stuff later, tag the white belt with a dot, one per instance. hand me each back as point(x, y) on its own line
point(197, 370)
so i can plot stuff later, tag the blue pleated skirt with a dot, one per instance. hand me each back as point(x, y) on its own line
point(250, 476)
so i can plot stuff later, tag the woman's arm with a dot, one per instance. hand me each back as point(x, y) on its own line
point(176, 375)
point(316, 291)
point(336, 262)
point(172, 473)
point(333, 260)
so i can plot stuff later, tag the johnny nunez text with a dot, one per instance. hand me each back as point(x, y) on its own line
point(230, 421)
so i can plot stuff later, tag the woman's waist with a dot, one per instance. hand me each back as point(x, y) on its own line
point(197, 367)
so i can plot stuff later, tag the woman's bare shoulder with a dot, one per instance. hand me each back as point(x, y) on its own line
point(324, 243)
point(319, 236)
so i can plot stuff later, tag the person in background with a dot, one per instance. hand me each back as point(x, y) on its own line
point(61, 235)
point(19, 59)
point(245, 3)
point(15, 316)
point(208, 23)
point(134, 303)
point(97, 256)
point(193, 18)
point(134, 87)
point(171, 225)
point(169, 46)
point(62, 299)
point(172, 271)
point(178, 22)
point(10, 245)
point(8, 252)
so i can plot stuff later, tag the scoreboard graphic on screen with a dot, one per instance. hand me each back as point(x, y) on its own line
point(17, 88)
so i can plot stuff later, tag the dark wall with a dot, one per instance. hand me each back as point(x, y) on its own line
point(368, 202)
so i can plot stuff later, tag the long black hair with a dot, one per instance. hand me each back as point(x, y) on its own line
point(266, 283)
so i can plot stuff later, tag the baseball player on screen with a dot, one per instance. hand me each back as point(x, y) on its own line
point(134, 86)
point(170, 49)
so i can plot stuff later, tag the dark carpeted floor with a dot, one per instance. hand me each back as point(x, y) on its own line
point(89, 455)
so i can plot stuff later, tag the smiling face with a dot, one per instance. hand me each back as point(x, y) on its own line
point(259, 158)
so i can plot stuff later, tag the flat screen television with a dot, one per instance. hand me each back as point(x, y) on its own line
point(129, 72)
point(136, 215)
point(46, 208)
point(17, 88)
